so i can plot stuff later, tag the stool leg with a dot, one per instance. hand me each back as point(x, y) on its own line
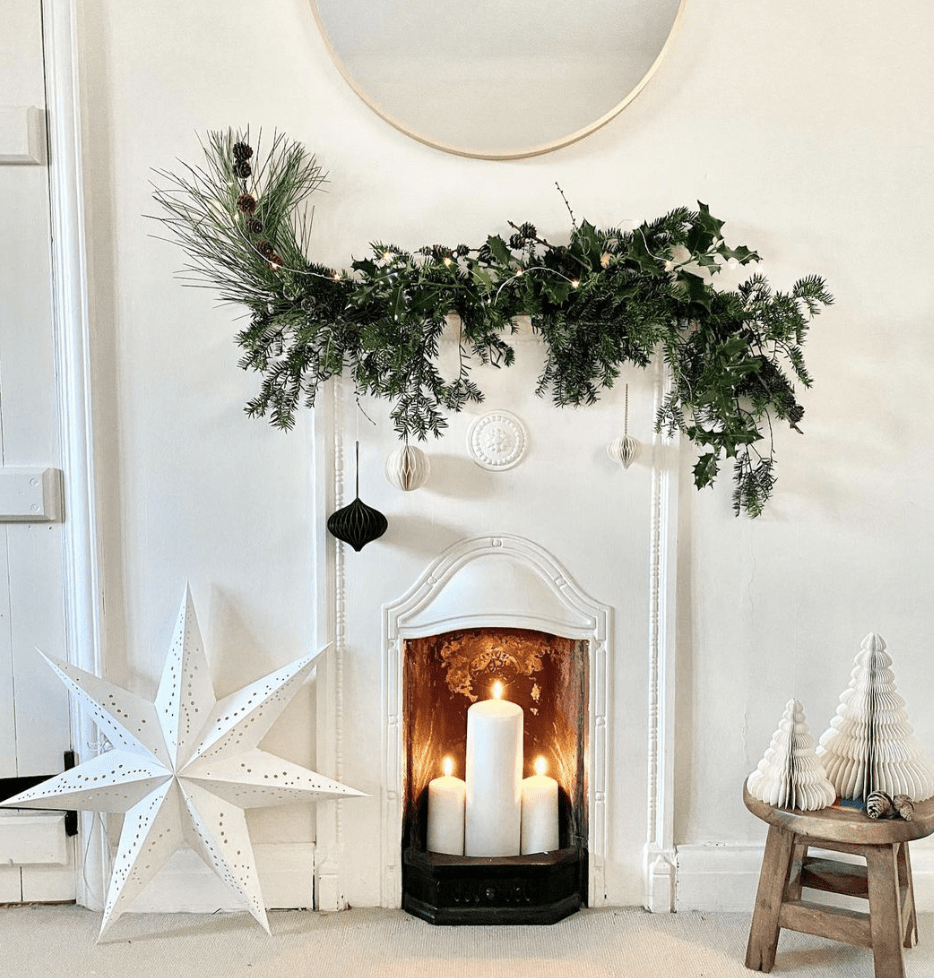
point(906, 887)
point(776, 865)
point(885, 912)
point(798, 855)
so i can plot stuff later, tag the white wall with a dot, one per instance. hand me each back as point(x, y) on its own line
point(799, 126)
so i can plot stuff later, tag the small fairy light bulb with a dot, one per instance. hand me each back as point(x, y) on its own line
point(447, 766)
point(447, 261)
point(337, 276)
point(605, 259)
point(575, 284)
point(541, 765)
point(387, 255)
point(497, 690)
point(520, 272)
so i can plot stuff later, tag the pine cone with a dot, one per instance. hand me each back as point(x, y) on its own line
point(242, 151)
point(246, 203)
point(275, 260)
point(242, 169)
point(255, 226)
point(266, 249)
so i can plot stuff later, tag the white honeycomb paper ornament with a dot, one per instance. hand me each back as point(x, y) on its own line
point(625, 449)
point(183, 769)
point(790, 775)
point(870, 745)
point(408, 468)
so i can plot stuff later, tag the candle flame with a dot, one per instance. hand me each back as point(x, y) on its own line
point(447, 766)
point(541, 765)
point(497, 690)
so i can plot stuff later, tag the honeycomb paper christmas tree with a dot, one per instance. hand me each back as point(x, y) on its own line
point(870, 745)
point(791, 774)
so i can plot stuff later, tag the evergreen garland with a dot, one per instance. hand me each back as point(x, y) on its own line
point(605, 299)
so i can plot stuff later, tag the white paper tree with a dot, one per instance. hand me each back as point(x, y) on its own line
point(790, 775)
point(870, 745)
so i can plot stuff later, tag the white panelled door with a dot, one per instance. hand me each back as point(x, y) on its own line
point(35, 862)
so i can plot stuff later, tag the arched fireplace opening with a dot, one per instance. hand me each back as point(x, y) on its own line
point(546, 675)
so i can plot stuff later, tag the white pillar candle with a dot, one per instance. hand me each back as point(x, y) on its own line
point(446, 800)
point(539, 811)
point(494, 777)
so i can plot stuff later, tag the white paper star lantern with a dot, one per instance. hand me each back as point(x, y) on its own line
point(183, 769)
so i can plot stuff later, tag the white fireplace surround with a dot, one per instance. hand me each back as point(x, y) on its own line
point(504, 580)
point(495, 581)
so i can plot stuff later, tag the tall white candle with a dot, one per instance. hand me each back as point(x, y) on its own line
point(446, 799)
point(539, 811)
point(494, 777)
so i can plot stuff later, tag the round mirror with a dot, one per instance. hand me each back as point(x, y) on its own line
point(497, 79)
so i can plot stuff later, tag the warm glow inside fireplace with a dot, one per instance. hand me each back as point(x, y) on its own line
point(545, 674)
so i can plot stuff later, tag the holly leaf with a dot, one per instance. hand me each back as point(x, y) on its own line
point(557, 289)
point(367, 266)
point(741, 253)
point(705, 470)
point(639, 252)
point(591, 243)
point(708, 222)
point(499, 249)
point(482, 277)
point(694, 288)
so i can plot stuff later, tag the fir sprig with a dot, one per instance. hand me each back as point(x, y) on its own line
point(606, 299)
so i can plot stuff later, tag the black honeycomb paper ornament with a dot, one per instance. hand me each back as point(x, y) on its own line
point(357, 524)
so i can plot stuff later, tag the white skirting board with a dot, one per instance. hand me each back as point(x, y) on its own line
point(186, 885)
point(724, 877)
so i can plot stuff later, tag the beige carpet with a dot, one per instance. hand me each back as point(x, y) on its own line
point(59, 942)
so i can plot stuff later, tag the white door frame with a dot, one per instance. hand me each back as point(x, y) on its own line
point(71, 323)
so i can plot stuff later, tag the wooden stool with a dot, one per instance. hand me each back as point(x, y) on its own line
point(885, 881)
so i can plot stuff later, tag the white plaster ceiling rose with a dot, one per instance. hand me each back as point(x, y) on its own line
point(497, 441)
point(183, 768)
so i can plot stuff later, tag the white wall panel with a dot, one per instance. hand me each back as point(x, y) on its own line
point(798, 127)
